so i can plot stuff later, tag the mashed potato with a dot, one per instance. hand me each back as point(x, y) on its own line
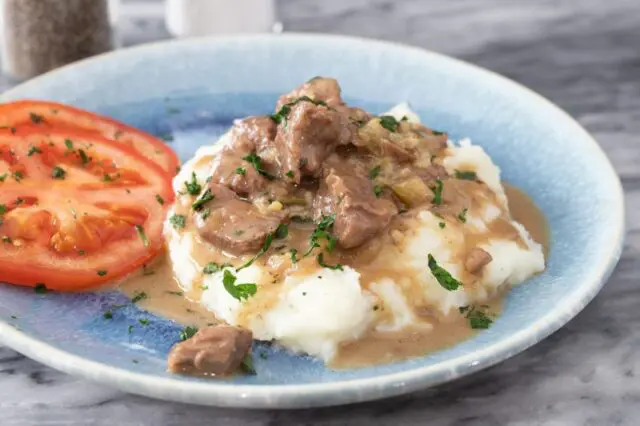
point(314, 311)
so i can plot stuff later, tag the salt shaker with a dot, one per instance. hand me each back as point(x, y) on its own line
point(187, 18)
point(40, 35)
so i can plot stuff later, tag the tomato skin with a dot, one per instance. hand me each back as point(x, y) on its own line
point(53, 114)
point(48, 247)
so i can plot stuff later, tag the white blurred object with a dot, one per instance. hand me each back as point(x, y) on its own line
point(188, 18)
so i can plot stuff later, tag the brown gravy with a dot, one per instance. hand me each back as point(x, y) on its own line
point(163, 298)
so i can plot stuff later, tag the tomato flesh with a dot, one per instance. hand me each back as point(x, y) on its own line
point(76, 209)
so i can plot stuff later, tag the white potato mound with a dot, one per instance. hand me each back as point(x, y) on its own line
point(315, 313)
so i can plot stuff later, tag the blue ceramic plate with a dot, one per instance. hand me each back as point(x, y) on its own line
point(194, 89)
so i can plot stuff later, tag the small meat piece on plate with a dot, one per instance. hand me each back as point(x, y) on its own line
point(312, 132)
point(252, 134)
point(234, 225)
point(212, 351)
point(229, 169)
point(322, 89)
point(360, 215)
point(476, 260)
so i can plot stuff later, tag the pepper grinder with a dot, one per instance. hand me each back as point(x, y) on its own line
point(188, 18)
point(40, 35)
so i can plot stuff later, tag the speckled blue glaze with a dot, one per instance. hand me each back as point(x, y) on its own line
point(194, 89)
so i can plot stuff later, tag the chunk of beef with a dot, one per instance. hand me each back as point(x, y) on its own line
point(234, 225)
point(253, 134)
point(229, 169)
point(310, 134)
point(477, 259)
point(360, 215)
point(322, 89)
point(212, 351)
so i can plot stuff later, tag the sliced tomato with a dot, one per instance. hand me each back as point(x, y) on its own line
point(76, 209)
point(52, 114)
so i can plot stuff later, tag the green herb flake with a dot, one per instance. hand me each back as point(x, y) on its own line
point(322, 231)
point(188, 332)
point(159, 199)
point(34, 150)
point(17, 176)
point(478, 319)
point(377, 191)
point(102, 272)
point(167, 137)
point(437, 133)
point(206, 197)
point(7, 240)
point(389, 122)
point(108, 315)
point(241, 171)
point(290, 174)
point(14, 317)
point(58, 173)
point(256, 162)
point(69, 144)
point(130, 329)
point(375, 172)
point(3, 209)
point(40, 288)
point(462, 216)
point(263, 355)
point(247, 365)
point(444, 278)
point(83, 157)
point(237, 291)
point(205, 213)
point(143, 321)
point(135, 361)
point(178, 221)
point(465, 175)
point(193, 187)
point(142, 235)
point(281, 232)
point(437, 193)
point(320, 259)
point(293, 253)
point(138, 297)
point(212, 268)
point(36, 118)
point(282, 115)
point(3, 177)
point(176, 293)
point(442, 225)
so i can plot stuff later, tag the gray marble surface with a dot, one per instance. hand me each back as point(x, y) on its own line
point(583, 55)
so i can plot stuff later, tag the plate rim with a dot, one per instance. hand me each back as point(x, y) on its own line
point(348, 390)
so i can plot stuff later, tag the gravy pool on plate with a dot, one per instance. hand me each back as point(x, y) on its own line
point(354, 238)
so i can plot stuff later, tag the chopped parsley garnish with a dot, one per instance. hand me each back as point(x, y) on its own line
point(167, 137)
point(40, 288)
point(17, 176)
point(389, 122)
point(58, 173)
point(69, 144)
point(373, 173)
point(283, 113)
point(142, 235)
point(205, 214)
point(83, 157)
point(130, 329)
point(3, 177)
point(437, 133)
point(322, 231)
point(320, 259)
point(36, 118)
point(478, 319)
point(102, 272)
point(213, 267)
point(34, 150)
point(143, 321)
point(241, 171)
point(188, 332)
point(442, 225)
point(444, 278)
point(465, 175)
point(19, 201)
point(7, 240)
point(107, 178)
point(462, 216)
point(437, 192)
point(138, 297)
point(377, 190)
point(256, 162)
point(193, 187)
point(247, 365)
point(159, 199)
point(281, 232)
point(3, 209)
point(14, 317)
point(290, 174)
point(238, 232)
point(263, 355)
point(108, 315)
point(237, 291)
point(206, 197)
point(178, 221)
point(293, 253)
point(176, 293)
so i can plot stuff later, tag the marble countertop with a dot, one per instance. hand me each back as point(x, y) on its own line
point(585, 56)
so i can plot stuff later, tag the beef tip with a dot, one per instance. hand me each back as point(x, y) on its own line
point(229, 169)
point(322, 89)
point(360, 215)
point(311, 133)
point(212, 351)
point(253, 134)
point(235, 225)
point(476, 260)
